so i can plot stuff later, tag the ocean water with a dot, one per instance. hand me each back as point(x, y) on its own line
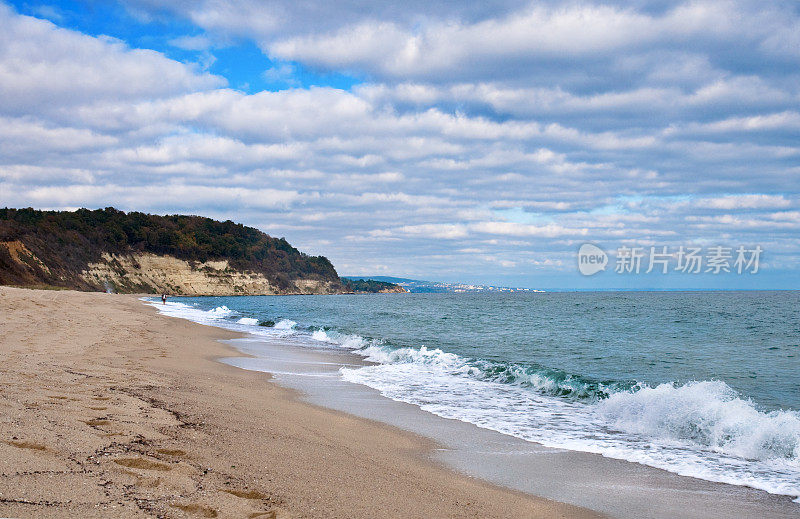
point(703, 384)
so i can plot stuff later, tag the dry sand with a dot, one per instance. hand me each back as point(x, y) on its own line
point(108, 409)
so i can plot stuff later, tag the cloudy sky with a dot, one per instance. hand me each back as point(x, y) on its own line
point(437, 139)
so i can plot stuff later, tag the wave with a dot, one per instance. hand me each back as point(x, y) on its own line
point(285, 324)
point(221, 312)
point(708, 414)
point(700, 429)
point(343, 340)
point(248, 321)
point(320, 335)
point(175, 309)
point(544, 380)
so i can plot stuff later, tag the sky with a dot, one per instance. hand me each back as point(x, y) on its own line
point(479, 142)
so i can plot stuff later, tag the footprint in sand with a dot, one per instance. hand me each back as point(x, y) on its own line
point(143, 464)
point(195, 509)
point(255, 495)
point(146, 482)
point(96, 422)
point(172, 452)
point(27, 445)
point(245, 494)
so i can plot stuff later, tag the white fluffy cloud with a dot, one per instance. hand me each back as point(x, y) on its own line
point(42, 64)
point(439, 40)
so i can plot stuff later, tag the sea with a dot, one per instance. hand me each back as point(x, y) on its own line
point(701, 384)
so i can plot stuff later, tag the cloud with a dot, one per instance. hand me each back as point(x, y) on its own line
point(42, 64)
point(182, 198)
point(783, 121)
point(518, 229)
point(24, 136)
point(737, 202)
point(443, 231)
point(390, 49)
point(282, 73)
point(434, 43)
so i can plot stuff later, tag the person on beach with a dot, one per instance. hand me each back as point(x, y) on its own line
point(163, 299)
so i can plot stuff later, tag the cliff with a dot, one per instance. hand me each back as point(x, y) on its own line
point(136, 252)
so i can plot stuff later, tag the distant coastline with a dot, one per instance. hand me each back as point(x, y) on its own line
point(426, 287)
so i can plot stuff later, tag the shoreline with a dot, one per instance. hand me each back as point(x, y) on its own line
point(612, 486)
point(110, 408)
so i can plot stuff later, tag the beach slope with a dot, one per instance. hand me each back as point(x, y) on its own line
point(108, 409)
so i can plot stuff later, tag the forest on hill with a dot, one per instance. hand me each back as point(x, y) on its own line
point(53, 248)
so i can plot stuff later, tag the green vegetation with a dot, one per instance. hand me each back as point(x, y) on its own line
point(64, 243)
point(369, 286)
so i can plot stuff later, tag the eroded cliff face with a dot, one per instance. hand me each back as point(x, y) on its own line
point(149, 273)
point(24, 258)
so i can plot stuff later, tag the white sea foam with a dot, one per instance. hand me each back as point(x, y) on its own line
point(285, 324)
point(701, 429)
point(320, 335)
point(343, 340)
point(709, 414)
point(221, 312)
point(223, 317)
point(175, 309)
point(354, 342)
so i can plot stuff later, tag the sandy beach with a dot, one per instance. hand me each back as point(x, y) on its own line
point(109, 409)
